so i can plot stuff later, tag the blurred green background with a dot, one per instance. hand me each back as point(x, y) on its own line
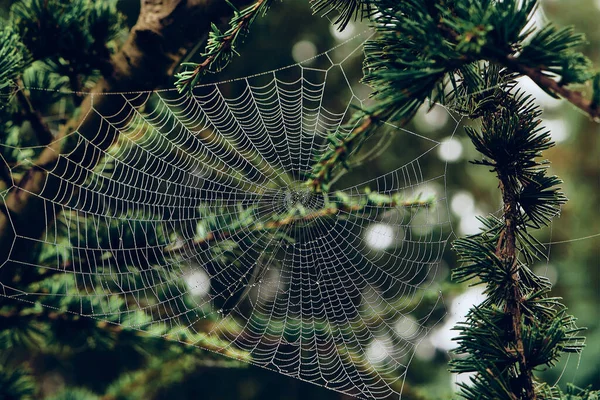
point(290, 34)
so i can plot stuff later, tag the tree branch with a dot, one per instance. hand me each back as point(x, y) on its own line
point(343, 204)
point(507, 252)
point(546, 82)
point(187, 80)
point(324, 167)
point(15, 316)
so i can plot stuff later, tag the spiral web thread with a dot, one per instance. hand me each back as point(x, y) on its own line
point(312, 300)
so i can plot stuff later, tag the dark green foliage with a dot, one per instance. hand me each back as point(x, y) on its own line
point(553, 47)
point(41, 75)
point(15, 383)
point(13, 60)
point(346, 9)
point(511, 140)
point(422, 47)
point(61, 334)
point(72, 38)
point(74, 394)
point(449, 35)
point(574, 393)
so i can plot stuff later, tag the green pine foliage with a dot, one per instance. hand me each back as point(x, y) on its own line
point(520, 326)
point(422, 46)
point(14, 59)
point(16, 383)
point(346, 10)
point(72, 38)
point(464, 54)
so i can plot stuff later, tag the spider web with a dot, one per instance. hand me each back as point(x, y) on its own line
point(177, 218)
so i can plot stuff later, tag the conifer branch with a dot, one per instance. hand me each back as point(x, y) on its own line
point(341, 203)
point(544, 81)
point(156, 44)
point(221, 46)
point(347, 9)
point(518, 327)
point(338, 155)
point(420, 48)
point(14, 316)
point(145, 382)
point(507, 253)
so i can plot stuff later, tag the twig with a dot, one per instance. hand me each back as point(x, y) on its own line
point(545, 81)
point(226, 43)
point(326, 165)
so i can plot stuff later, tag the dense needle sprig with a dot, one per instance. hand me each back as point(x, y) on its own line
point(421, 47)
point(519, 327)
point(466, 55)
point(221, 46)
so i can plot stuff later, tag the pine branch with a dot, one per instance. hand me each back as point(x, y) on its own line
point(146, 382)
point(75, 316)
point(589, 106)
point(343, 147)
point(341, 203)
point(221, 46)
point(347, 9)
point(16, 383)
point(507, 253)
point(15, 59)
point(422, 46)
point(518, 327)
point(42, 330)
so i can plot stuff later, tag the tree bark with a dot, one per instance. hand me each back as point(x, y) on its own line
point(164, 32)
